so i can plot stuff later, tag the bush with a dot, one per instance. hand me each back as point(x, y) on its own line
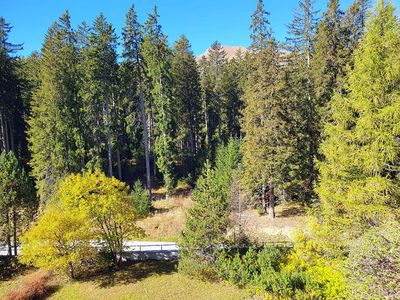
point(322, 265)
point(261, 271)
point(374, 263)
point(141, 200)
point(36, 287)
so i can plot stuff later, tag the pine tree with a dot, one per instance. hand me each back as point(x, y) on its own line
point(100, 74)
point(56, 142)
point(267, 142)
point(359, 185)
point(158, 58)
point(135, 72)
point(187, 98)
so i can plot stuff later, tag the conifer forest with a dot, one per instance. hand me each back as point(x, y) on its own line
point(264, 172)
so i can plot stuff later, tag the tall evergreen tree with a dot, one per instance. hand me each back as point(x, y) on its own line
point(327, 61)
point(353, 24)
point(267, 142)
point(56, 142)
point(12, 110)
point(135, 72)
point(211, 71)
point(187, 99)
point(17, 200)
point(158, 58)
point(300, 88)
point(100, 74)
point(231, 89)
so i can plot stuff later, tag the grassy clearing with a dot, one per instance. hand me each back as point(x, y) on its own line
point(168, 219)
point(147, 280)
point(289, 218)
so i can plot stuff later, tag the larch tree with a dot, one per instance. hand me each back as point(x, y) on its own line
point(158, 58)
point(56, 143)
point(359, 182)
point(187, 98)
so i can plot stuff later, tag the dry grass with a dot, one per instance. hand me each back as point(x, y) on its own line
point(37, 285)
point(168, 219)
point(289, 218)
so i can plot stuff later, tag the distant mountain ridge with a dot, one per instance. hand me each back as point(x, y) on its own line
point(231, 51)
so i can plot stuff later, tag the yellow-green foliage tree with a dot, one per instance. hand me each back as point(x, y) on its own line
point(60, 240)
point(107, 206)
point(86, 208)
point(359, 185)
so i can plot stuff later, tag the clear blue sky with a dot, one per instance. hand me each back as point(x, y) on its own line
point(202, 21)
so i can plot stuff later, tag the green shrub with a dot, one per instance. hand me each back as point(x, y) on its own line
point(374, 263)
point(141, 201)
point(260, 270)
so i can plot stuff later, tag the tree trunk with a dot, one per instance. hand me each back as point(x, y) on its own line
point(71, 271)
point(145, 140)
point(264, 199)
point(8, 233)
point(4, 133)
point(12, 146)
point(271, 202)
point(110, 171)
point(152, 139)
point(119, 165)
point(15, 231)
point(7, 135)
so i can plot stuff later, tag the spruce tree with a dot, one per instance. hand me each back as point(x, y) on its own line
point(211, 71)
point(12, 109)
point(100, 70)
point(208, 220)
point(187, 98)
point(56, 142)
point(327, 62)
point(17, 199)
point(232, 98)
point(158, 58)
point(267, 142)
point(134, 75)
point(300, 90)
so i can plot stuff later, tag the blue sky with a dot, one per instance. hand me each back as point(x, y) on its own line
point(202, 21)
